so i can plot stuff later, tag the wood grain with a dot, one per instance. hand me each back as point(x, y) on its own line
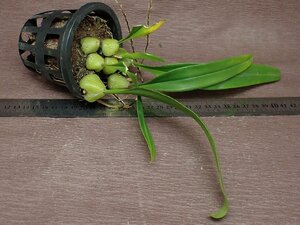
point(97, 171)
point(67, 171)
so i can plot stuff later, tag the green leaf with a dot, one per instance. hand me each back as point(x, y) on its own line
point(199, 76)
point(222, 212)
point(201, 69)
point(142, 30)
point(159, 70)
point(122, 53)
point(121, 66)
point(255, 74)
point(147, 56)
point(170, 101)
point(133, 77)
point(145, 129)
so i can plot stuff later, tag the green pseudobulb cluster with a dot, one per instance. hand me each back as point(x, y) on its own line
point(101, 60)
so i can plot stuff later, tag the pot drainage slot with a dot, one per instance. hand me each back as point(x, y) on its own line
point(27, 55)
point(59, 22)
point(39, 21)
point(51, 62)
point(51, 41)
point(28, 37)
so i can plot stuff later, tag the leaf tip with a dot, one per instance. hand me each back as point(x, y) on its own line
point(152, 158)
point(248, 56)
point(222, 212)
point(163, 21)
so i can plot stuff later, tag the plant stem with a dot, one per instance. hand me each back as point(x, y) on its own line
point(150, 3)
point(109, 105)
point(126, 21)
point(124, 105)
point(139, 72)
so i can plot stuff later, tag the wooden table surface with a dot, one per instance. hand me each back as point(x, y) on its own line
point(97, 171)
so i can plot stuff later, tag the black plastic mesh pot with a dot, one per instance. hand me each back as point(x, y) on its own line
point(39, 29)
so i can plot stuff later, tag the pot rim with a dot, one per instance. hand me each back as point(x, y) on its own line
point(68, 37)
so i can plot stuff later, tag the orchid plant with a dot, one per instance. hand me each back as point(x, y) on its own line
point(112, 74)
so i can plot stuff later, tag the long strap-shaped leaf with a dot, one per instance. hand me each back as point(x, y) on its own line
point(199, 76)
point(144, 128)
point(160, 70)
point(255, 74)
point(122, 53)
point(170, 101)
point(145, 56)
point(201, 69)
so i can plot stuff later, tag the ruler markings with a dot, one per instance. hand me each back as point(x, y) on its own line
point(70, 108)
